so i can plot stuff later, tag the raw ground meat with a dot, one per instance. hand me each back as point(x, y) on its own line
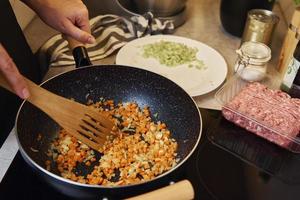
point(271, 114)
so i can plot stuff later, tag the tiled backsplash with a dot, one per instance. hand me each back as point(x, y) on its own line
point(23, 13)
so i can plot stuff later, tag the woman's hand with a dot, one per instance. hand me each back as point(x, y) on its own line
point(70, 17)
point(9, 70)
point(67, 16)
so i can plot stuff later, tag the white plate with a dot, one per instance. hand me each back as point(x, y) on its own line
point(195, 81)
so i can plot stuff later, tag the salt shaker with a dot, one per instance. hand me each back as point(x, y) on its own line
point(252, 61)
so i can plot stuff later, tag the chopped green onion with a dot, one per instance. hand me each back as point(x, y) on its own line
point(173, 54)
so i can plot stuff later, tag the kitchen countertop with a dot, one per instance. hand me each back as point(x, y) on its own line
point(202, 24)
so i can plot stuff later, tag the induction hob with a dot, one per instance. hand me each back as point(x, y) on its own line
point(213, 172)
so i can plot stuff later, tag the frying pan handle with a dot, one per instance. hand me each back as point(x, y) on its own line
point(79, 52)
point(182, 190)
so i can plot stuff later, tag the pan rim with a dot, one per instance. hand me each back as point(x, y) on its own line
point(68, 181)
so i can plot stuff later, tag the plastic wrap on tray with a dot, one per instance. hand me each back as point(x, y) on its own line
point(269, 113)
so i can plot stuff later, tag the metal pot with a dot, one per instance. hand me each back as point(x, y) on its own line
point(122, 84)
point(160, 8)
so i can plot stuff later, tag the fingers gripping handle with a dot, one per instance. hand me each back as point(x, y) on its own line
point(79, 52)
point(5, 84)
point(73, 43)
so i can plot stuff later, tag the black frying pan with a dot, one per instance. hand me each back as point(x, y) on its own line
point(120, 83)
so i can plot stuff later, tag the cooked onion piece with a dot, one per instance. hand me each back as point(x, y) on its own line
point(142, 149)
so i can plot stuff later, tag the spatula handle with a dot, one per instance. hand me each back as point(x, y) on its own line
point(38, 95)
point(182, 190)
point(31, 85)
point(34, 89)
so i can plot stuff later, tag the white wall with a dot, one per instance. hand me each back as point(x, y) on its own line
point(23, 13)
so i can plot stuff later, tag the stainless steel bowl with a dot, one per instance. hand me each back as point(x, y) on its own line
point(160, 8)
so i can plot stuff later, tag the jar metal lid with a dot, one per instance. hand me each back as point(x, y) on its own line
point(263, 15)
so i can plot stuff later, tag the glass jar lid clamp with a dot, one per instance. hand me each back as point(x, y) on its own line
point(252, 59)
point(254, 53)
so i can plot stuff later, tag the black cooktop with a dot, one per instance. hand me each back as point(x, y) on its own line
point(222, 167)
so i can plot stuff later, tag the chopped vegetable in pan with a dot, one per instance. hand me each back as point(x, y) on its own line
point(173, 54)
point(142, 150)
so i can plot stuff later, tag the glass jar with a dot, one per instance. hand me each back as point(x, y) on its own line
point(252, 61)
point(260, 26)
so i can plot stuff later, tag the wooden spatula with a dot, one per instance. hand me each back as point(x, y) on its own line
point(83, 122)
